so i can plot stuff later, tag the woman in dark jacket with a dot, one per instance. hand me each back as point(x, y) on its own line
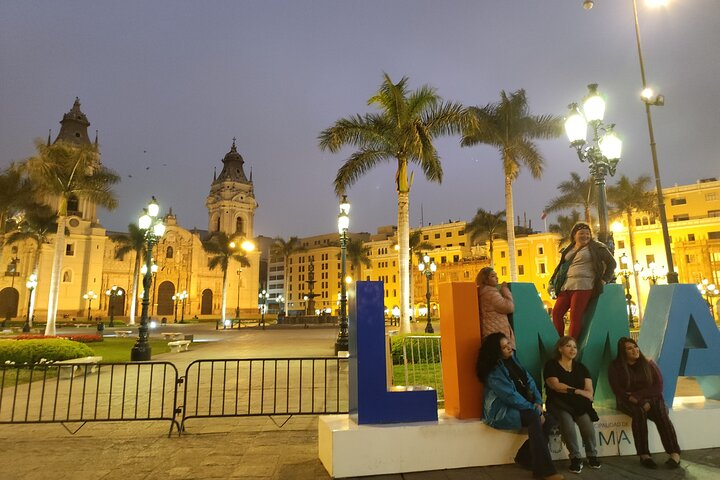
point(586, 265)
point(638, 385)
point(512, 401)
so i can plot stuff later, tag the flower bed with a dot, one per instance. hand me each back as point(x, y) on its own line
point(86, 338)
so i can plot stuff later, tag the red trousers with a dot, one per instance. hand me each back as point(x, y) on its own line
point(576, 301)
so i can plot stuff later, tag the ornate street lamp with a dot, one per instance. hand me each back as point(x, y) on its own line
point(90, 296)
point(341, 345)
point(281, 303)
point(154, 229)
point(30, 284)
point(237, 307)
point(626, 269)
point(427, 267)
point(262, 297)
point(112, 293)
point(602, 154)
point(653, 272)
point(709, 291)
point(183, 296)
point(176, 299)
point(248, 247)
point(153, 271)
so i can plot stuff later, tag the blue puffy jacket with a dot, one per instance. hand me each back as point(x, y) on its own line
point(502, 402)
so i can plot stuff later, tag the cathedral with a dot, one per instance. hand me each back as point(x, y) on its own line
point(90, 269)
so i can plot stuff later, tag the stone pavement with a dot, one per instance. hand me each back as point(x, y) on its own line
point(248, 448)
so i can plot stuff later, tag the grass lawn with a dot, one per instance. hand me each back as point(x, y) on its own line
point(115, 350)
point(428, 374)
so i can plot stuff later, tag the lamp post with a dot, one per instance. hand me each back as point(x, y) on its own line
point(343, 222)
point(653, 273)
point(154, 230)
point(90, 296)
point(709, 291)
point(112, 293)
point(176, 300)
point(262, 296)
point(281, 303)
point(237, 308)
point(626, 270)
point(602, 154)
point(650, 98)
point(248, 247)
point(30, 284)
point(183, 296)
point(427, 267)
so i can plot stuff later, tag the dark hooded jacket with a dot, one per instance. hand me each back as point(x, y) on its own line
point(603, 265)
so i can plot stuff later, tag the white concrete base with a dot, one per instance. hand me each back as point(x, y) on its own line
point(348, 450)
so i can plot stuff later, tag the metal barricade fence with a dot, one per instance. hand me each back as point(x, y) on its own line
point(422, 362)
point(82, 392)
point(265, 386)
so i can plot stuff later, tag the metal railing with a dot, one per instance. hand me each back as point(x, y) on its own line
point(82, 392)
point(422, 362)
point(265, 386)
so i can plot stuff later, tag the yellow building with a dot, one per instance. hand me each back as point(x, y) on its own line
point(89, 263)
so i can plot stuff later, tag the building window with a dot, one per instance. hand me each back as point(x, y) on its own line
point(691, 237)
point(649, 259)
point(713, 235)
point(169, 252)
point(456, 258)
point(426, 237)
point(519, 253)
point(502, 254)
point(462, 244)
point(67, 276)
point(437, 235)
point(678, 201)
point(710, 197)
point(443, 259)
point(521, 269)
point(542, 269)
point(713, 213)
point(690, 258)
point(638, 222)
point(681, 218)
point(461, 233)
point(70, 250)
point(621, 243)
point(448, 234)
point(541, 250)
point(503, 271)
point(239, 228)
point(648, 241)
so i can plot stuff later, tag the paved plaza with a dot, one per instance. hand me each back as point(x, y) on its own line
point(249, 448)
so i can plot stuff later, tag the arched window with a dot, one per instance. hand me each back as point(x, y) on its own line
point(169, 252)
point(73, 205)
point(239, 226)
point(217, 224)
point(67, 276)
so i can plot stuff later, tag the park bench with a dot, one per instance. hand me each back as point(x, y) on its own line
point(179, 345)
point(76, 366)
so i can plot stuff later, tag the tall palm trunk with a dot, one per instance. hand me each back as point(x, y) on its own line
point(636, 280)
point(492, 251)
point(224, 296)
point(136, 275)
point(33, 294)
point(510, 218)
point(404, 258)
point(56, 269)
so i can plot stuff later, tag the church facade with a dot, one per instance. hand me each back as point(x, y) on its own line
point(90, 267)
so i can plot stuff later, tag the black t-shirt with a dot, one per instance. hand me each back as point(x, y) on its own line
point(574, 378)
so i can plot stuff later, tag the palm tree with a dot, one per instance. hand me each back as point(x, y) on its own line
point(402, 132)
point(627, 197)
point(358, 255)
point(65, 170)
point(15, 194)
point(36, 225)
point(282, 248)
point(509, 126)
point(133, 241)
point(576, 192)
point(486, 227)
point(564, 226)
point(218, 246)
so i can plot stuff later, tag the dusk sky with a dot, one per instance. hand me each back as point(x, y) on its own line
point(169, 84)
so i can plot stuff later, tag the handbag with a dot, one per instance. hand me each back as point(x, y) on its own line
point(557, 281)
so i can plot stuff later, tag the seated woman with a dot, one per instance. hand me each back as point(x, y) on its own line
point(495, 303)
point(638, 385)
point(569, 400)
point(512, 400)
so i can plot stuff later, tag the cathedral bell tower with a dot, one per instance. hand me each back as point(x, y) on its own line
point(231, 204)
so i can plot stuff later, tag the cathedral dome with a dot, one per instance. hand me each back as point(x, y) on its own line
point(232, 167)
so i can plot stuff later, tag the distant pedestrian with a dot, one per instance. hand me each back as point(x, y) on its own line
point(496, 302)
point(511, 400)
point(586, 265)
point(638, 385)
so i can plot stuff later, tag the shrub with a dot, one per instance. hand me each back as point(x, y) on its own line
point(31, 351)
point(423, 350)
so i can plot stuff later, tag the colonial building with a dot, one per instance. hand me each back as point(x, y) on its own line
point(89, 264)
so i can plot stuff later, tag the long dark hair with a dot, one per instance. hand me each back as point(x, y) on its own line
point(490, 354)
point(642, 362)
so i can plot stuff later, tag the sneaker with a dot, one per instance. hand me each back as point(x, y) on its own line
point(593, 462)
point(648, 463)
point(576, 465)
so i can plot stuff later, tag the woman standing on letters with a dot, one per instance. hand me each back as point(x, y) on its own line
point(496, 302)
point(586, 265)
